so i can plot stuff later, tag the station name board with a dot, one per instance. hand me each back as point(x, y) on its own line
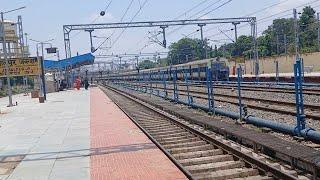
point(20, 67)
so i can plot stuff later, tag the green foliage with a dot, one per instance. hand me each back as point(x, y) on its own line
point(163, 62)
point(279, 38)
point(147, 64)
point(30, 82)
point(308, 27)
point(187, 49)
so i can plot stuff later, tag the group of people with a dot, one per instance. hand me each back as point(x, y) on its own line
point(84, 83)
point(78, 83)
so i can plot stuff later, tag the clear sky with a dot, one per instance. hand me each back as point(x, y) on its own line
point(43, 19)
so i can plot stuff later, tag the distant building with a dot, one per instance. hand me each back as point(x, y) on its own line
point(14, 40)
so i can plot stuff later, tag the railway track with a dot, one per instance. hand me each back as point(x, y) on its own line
point(311, 106)
point(311, 110)
point(307, 91)
point(310, 113)
point(200, 154)
point(273, 89)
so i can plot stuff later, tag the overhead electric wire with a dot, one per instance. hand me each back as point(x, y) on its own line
point(121, 20)
point(118, 37)
point(266, 8)
point(191, 9)
point(311, 23)
point(255, 12)
point(197, 13)
point(204, 9)
point(126, 11)
point(105, 9)
point(207, 7)
point(225, 3)
point(306, 4)
point(179, 16)
point(98, 16)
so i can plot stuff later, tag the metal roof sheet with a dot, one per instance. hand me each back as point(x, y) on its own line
point(69, 63)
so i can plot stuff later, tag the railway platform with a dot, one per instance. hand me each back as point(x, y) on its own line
point(76, 135)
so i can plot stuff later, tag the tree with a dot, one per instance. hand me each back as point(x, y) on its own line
point(239, 48)
point(187, 49)
point(308, 30)
point(147, 64)
point(277, 39)
point(244, 43)
point(275, 34)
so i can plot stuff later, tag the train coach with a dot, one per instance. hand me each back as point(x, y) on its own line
point(196, 70)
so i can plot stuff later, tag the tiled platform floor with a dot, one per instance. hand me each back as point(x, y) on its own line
point(76, 135)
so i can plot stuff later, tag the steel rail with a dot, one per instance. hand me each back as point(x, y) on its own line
point(310, 106)
point(183, 170)
point(245, 157)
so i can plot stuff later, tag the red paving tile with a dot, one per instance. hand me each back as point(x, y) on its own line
point(122, 151)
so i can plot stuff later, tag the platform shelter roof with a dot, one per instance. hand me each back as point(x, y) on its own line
point(69, 63)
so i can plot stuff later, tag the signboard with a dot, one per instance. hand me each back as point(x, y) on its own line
point(20, 67)
point(51, 50)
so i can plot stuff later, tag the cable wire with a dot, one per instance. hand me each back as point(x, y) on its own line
point(306, 4)
point(93, 21)
point(118, 37)
point(179, 16)
point(225, 3)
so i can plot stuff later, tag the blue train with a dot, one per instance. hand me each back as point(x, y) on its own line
point(196, 69)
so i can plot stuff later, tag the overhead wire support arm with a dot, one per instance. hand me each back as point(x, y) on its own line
point(67, 29)
point(156, 23)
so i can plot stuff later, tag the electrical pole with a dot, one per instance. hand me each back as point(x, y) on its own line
point(137, 58)
point(235, 30)
point(26, 35)
point(296, 32)
point(254, 34)
point(43, 73)
point(91, 43)
point(318, 18)
point(112, 66)
point(4, 43)
point(164, 43)
point(202, 40)
point(277, 39)
point(120, 58)
point(285, 44)
point(42, 76)
point(224, 50)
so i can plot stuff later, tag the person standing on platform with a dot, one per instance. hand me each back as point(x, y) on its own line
point(78, 83)
point(86, 83)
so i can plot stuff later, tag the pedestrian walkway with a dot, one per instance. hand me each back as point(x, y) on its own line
point(123, 151)
point(53, 138)
point(76, 135)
